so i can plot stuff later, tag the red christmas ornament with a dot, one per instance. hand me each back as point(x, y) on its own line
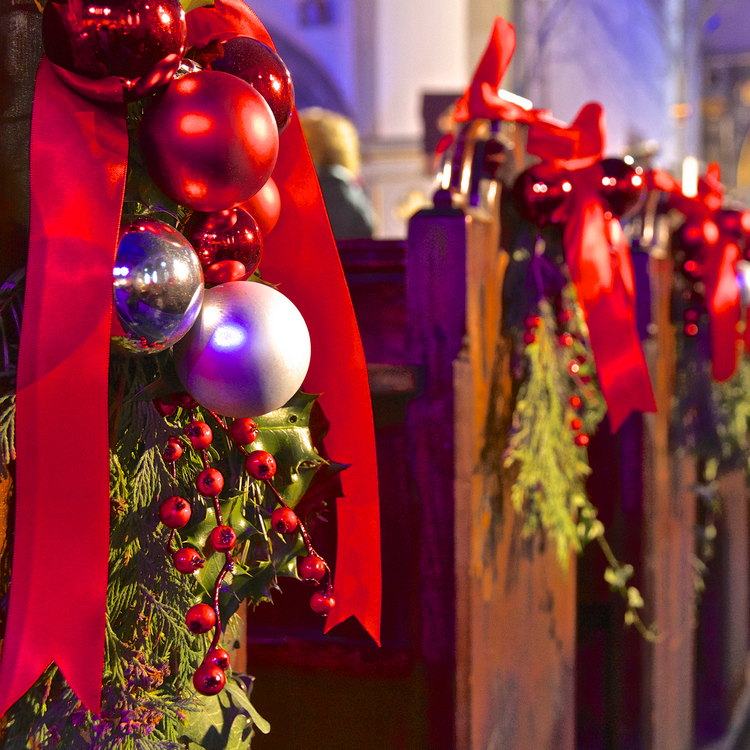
point(209, 141)
point(187, 560)
point(140, 41)
point(199, 434)
point(258, 65)
point(311, 568)
point(210, 482)
point(224, 271)
point(175, 512)
point(539, 192)
point(165, 409)
point(217, 657)
point(260, 465)
point(622, 187)
point(284, 520)
point(223, 538)
point(200, 618)
point(322, 602)
point(264, 206)
point(243, 431)
point(226, 235)
point(209, 679)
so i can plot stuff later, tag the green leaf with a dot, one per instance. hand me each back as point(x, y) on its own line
point(188, 5)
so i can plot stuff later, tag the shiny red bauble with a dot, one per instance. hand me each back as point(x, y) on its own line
point(199, 434)
point(311, 568)
point(226, 235)
point(322, 602)
point(187, 560)
point(264, 70)
point(539, 192)
point(223, 538)
point(174, 450)
point(175, 512)
point(217, 657)
point(209, 679)
point(224, 271)
point(200, 618)
point(284, 520)
point(623, 188)
point(209, 141)
point(137, 40)
point(243, 431)
point(265, 206)
point(210, 482)
point(260, 465)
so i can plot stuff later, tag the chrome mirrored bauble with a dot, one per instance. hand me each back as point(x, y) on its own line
point(247, 353)
point(158, 285)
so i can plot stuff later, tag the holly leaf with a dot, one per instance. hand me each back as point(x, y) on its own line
point(256, 584)
point(285, 434)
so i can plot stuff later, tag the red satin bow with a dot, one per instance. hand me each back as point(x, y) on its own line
point(598, 257)
point(58, 592)
point(716, 254)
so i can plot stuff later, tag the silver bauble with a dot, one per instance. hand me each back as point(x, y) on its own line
point(742, 269)
point(158, 285)
point(247, 353)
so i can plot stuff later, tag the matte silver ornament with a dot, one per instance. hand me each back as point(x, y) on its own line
point(247, 353)
point(158, 285)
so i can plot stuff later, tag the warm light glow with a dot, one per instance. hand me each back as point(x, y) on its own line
point(690, 177)
point(628, 159)
point(710, 232)
point(745, 220)
point(636, 180)
point(566, 187)
point(509, 96)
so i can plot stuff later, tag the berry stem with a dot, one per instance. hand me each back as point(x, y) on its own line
point(217, 588)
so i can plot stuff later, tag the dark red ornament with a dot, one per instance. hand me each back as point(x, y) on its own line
point(210, 482)
point(175, 512)
point(187, 560)
point(243, 431)
point(539, 192)
point(199, 434)
point(226, 235)
point(258, 65)
point(200, 618)
point(322, 602)
point(209, 141)
point(217, 657)
point(260, 465)
point(173, 451)
point(622, 187)
point(265, 206)
point(223, 538)
point(140, 41)
point(284, 520)
point(224, 271)
point(209, 679)
point(311, 568)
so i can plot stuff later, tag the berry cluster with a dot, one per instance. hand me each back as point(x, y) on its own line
point(175, 512)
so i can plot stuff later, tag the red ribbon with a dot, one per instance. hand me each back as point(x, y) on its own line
point(60, 553)
point(57, 603)
point(598, 257)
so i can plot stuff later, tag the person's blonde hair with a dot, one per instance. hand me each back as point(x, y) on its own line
point(331, 138)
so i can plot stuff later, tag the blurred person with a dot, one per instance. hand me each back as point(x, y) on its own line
point(334, 146)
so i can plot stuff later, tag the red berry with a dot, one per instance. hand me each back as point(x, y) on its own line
point(173, 451)
point(585, 379)
point(529, 338)
point(691, 315)
point(573, 368)
point(284, 520)
point(575, 424)
point(200, 618)
point(187, 560)
point(566, 339)
point(243, 431)
point(311, 568)
point(210, 482)
point(532, 321)
point(175, 512)
point(261, 465)
point(582, 439)
point(217, 657)
point(209, 679)
point(199, 434)
point(581, 359)
point(690, 329)
point(164, 408)
point(575, 402)
point(564, 316)
point(322, 602)
point(223, 538)
point(185, 400)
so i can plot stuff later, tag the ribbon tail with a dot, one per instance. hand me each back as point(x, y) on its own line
point(603, 293)
point(724, 310)
point(62, 491)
